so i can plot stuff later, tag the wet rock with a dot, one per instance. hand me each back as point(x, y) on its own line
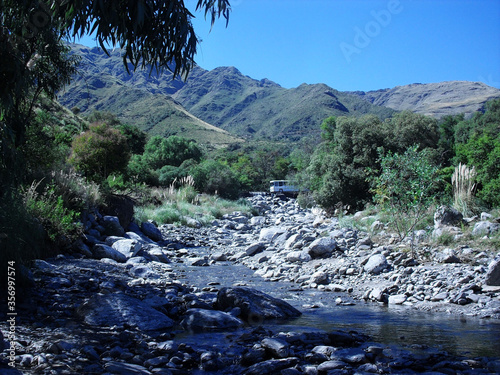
point(122, 368)
point(199, 320)
point(276, 347)
point(271, 367)
point(255, 305)
point(119, 309)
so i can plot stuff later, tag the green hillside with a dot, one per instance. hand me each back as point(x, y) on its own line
point(223, 97)
point(103, 85)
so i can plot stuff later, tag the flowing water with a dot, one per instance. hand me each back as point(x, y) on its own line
point(398, 327)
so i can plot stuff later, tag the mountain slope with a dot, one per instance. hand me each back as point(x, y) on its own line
point(263, 109)
point(434, 99)
point(138, 99)
point(222, 97)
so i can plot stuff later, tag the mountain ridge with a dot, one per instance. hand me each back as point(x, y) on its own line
point(223, 106)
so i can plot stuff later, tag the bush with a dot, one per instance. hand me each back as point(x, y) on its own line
point(100, 152)
point(406, 188)
point(213, 177)
point(21, 235)
point(59, 222)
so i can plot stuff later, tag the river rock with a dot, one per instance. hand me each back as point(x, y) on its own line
point(199, 320)
point(112, 226)
point(118, 309)
point(376, 264)
point(271, 367)
point(255, 305)
point(298, 256)
point(493, 276)
point(485, 228)
point(151, 231)
point(447, 216)
point(122, 368)
point(276, 347)
point(270, 234)
point(255, 248)
point(101, 251)
point(127, 247)
point(322, 247)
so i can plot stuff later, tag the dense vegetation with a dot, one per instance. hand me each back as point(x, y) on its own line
point(56, 165)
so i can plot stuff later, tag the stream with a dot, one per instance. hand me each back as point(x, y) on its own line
point(400, 326)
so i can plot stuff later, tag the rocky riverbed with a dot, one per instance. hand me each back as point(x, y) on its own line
point(121, 303)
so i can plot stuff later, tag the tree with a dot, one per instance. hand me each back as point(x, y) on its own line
point(214, 177)
point(406, 188)
point(407, 128)
point(99, 152)
point(173, 150)
point(33, 58)
point(337, 171)
point(152, 33)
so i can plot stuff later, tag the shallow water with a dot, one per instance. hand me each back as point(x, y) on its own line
point(400, 326)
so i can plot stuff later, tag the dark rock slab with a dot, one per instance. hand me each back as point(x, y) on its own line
point(119, 309)
point(199, 320)
point(254, 304)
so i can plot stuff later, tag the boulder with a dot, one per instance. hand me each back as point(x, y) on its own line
point(127, 247)
point(485, 228)
point(322, 247)
point(150, 230)
point(255, 248)
point(198, 320)
point(255, 305)
point(493, 274)
point(269, 234)
point(298, 256)
point(447, 216)
point(101, 251)
point(112, 226)
point(118, 309)
point(376, 264)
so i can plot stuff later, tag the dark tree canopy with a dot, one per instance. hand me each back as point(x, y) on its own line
point(155, 33)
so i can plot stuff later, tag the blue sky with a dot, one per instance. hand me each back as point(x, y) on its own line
point(355, 44)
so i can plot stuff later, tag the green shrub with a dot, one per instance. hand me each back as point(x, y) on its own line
point(21, 235)
point(406, 189)
point(59, 222)
point(215, 178)
point(100, 152)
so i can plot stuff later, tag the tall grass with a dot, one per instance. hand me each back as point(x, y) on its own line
point(464, 186)
point(180, 202)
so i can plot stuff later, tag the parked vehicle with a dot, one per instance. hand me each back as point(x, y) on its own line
point(283, 186)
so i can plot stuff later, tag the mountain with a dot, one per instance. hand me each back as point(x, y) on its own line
point(434, 99)
point(263, 109)
point(103, 84)
point(210, 105)
point(223, 106)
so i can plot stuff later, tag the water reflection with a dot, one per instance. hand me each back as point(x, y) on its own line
point(400, 326)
